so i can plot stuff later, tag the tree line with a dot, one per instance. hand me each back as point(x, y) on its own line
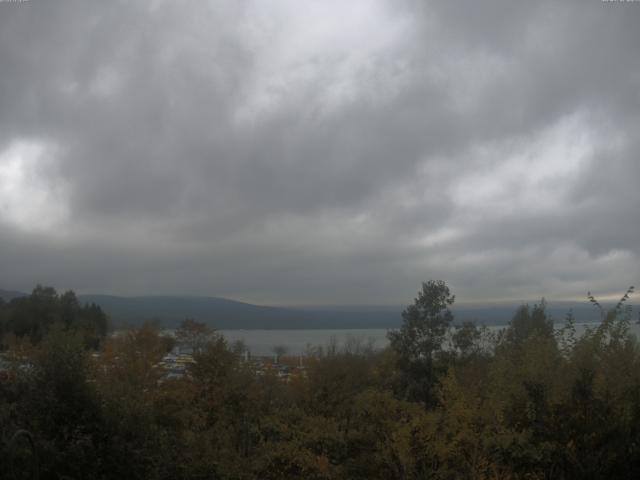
point(441, 401)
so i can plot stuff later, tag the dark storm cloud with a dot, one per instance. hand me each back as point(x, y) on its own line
point(320, 153)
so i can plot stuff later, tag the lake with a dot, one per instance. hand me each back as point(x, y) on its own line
point(261, 342)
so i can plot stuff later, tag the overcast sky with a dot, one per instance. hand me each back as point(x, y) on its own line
point(320, 152)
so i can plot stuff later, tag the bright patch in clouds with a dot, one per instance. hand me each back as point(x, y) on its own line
point(526, 175)
point(327, 54)
point(29, 197)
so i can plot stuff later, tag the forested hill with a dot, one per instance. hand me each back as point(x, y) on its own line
point(7, 295)
point(223, 314)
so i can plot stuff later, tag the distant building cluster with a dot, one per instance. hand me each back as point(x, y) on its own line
point(176, 364)
point(285, 368)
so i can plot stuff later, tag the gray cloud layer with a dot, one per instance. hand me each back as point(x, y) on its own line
point(320, 152)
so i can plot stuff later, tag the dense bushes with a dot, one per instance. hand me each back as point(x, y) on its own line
point(529, 403)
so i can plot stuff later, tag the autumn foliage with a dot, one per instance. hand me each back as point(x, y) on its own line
point(443, 402)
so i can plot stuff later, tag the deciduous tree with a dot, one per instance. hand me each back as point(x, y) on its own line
point(419, 341)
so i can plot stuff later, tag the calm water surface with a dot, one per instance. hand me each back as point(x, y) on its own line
point(297, 342)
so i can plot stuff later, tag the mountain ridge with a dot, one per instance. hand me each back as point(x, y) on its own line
point(227, 314)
